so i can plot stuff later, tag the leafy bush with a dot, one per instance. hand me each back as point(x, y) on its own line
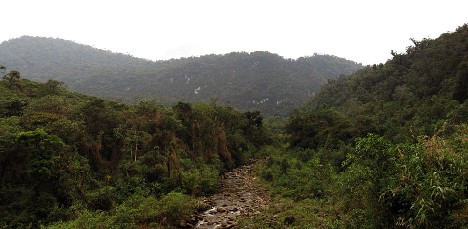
point(406, 185)
point(86, 220)
point(432, 182)
point(137, 212)
point(291, 177)
point(199, 178)
point(381, 185)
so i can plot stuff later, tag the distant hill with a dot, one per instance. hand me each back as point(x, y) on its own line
point(259, 80)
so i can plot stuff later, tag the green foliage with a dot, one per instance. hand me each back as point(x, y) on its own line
point(12, 78)
point(294, 178)
point(82, 162)
point(406, 185)
point(358, 155)
point(410, 95)
point(176, 206)
point(199, 178)
point(372, 127)
point(248, 81)
point(438, 166)
point(308, 213)
point(381, 185)
point(41, 150)
point(137, 212)
point(326, 127)
point(31, 178)
point(11, 105)
point(87, 219)
point(360, 186)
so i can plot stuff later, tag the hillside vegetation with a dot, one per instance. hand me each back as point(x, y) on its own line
point(91, 163)
point(249, 81)
point(386, 147)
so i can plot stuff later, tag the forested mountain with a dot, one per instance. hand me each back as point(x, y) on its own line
point(415, 93)
point(249, 81)
point(386, 147)
point(66, 156)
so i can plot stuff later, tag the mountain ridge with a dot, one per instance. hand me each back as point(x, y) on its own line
point(250, 81)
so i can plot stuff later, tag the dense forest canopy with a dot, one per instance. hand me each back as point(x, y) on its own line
point(249, 81)
point(385, 147)
point(415, 93)
point(64, 155)
point(394, 137)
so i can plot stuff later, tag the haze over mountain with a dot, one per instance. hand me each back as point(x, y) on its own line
point(384, 147)
point(258, 80)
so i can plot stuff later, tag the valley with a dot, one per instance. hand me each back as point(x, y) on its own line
point(317, 142)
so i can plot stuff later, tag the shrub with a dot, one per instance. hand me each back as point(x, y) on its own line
point(432, 182)
point(199, 178)
point(291, 177)
point(137, 212)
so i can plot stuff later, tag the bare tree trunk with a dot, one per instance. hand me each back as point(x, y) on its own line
point(223, 151)
point(136, 150)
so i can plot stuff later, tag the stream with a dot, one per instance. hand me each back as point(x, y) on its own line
point(239, 195)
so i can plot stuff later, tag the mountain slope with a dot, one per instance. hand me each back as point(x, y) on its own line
point(61, 149)
point(421, 92)
point(258, 80)
point(386, 147)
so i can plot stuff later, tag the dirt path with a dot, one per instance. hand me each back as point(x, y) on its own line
point(239, 195)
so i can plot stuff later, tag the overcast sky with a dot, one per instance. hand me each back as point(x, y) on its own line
point(361, 30)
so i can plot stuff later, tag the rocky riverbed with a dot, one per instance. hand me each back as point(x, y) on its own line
point(239, 196)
